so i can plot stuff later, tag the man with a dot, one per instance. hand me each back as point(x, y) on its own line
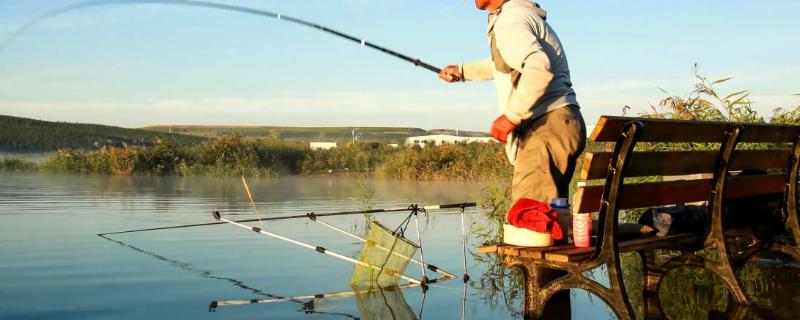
point(540, 120)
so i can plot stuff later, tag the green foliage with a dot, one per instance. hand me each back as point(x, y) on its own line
point(234, 155)
point(225, 156)
point(473, 161)
point(359, 157)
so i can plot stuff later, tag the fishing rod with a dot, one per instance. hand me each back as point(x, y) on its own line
point(219, 6)
point(316, 298)
point(464, 246)
point(343, 213)
point(319, 249)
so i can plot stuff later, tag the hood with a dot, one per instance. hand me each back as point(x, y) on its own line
point(533, 5)
point(541, 12)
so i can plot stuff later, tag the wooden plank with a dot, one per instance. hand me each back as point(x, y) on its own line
point(641, 195)
point(524, 252)
point(665, 130)
point(487, 249)
point(673, 163)
point(667, 242)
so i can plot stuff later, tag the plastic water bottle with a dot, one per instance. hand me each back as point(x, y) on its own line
point(561, 206)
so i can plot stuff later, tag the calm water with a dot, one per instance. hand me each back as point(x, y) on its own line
point(54, 265)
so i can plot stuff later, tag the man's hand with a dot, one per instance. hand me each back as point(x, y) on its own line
point(451, 74)
point(501, 128)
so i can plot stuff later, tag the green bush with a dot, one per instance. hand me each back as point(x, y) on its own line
point(473, 161)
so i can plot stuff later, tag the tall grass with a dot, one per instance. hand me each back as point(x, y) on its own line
point(473, 161)
point(16, 164)
point(224, 156)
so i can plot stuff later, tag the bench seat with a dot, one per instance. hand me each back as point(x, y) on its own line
point(570, 253)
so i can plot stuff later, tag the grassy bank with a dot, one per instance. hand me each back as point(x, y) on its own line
point(30, 135)
point(235, 156)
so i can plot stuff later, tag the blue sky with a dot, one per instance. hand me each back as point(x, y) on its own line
point(137, 65)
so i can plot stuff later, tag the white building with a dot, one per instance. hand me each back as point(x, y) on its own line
point(440, 139)
point(322, 145)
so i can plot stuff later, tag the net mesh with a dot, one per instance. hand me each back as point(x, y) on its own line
point(386, 255)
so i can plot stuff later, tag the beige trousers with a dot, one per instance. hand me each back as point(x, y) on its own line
point(548, 150)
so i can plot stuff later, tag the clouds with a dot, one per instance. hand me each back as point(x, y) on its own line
point(135, 65)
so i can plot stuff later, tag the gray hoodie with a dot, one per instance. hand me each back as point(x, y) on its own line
point(528, 64)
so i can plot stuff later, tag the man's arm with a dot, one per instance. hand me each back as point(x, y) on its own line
point(521, 50)
point(472, 71)
point(477, 70)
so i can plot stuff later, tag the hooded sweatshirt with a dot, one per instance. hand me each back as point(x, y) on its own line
point(528, 64)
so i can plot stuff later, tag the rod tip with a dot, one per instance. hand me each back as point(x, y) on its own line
point(216, 215)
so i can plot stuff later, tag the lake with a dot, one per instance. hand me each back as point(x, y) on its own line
point(54, 265)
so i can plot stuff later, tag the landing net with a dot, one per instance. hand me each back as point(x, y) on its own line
point(387, 251)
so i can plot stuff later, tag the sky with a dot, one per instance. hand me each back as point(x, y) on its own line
point(138, 65)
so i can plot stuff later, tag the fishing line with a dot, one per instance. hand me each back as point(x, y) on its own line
point(464, 246)
point(203, 273)
point(252, 202)
point(217, 6)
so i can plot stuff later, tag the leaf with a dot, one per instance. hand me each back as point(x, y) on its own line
point(735, 94)
point(722, 80)
point(739, 101)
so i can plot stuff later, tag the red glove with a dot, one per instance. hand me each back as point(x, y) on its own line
point(501, 128)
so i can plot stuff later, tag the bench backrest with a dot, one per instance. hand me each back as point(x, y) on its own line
point(653, 148)
point(766, 151)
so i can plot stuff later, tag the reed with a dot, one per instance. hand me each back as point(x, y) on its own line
point(473, 161)
point(16, 164)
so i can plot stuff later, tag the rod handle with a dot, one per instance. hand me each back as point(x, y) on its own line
point(458, 205)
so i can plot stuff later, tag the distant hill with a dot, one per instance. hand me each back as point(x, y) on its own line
point(29, 135)
point(307, 134)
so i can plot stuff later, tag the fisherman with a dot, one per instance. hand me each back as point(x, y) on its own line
point(540, 121)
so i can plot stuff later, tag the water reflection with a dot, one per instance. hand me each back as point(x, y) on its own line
point(308, 307)
point(50, 251)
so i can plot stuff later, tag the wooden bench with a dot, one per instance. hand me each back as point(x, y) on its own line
point(634, 150)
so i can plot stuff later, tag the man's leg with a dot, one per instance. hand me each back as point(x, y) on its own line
point(549, 149)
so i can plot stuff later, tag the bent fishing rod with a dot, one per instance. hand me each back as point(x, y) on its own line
point(343, 213)
point(218, 6)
